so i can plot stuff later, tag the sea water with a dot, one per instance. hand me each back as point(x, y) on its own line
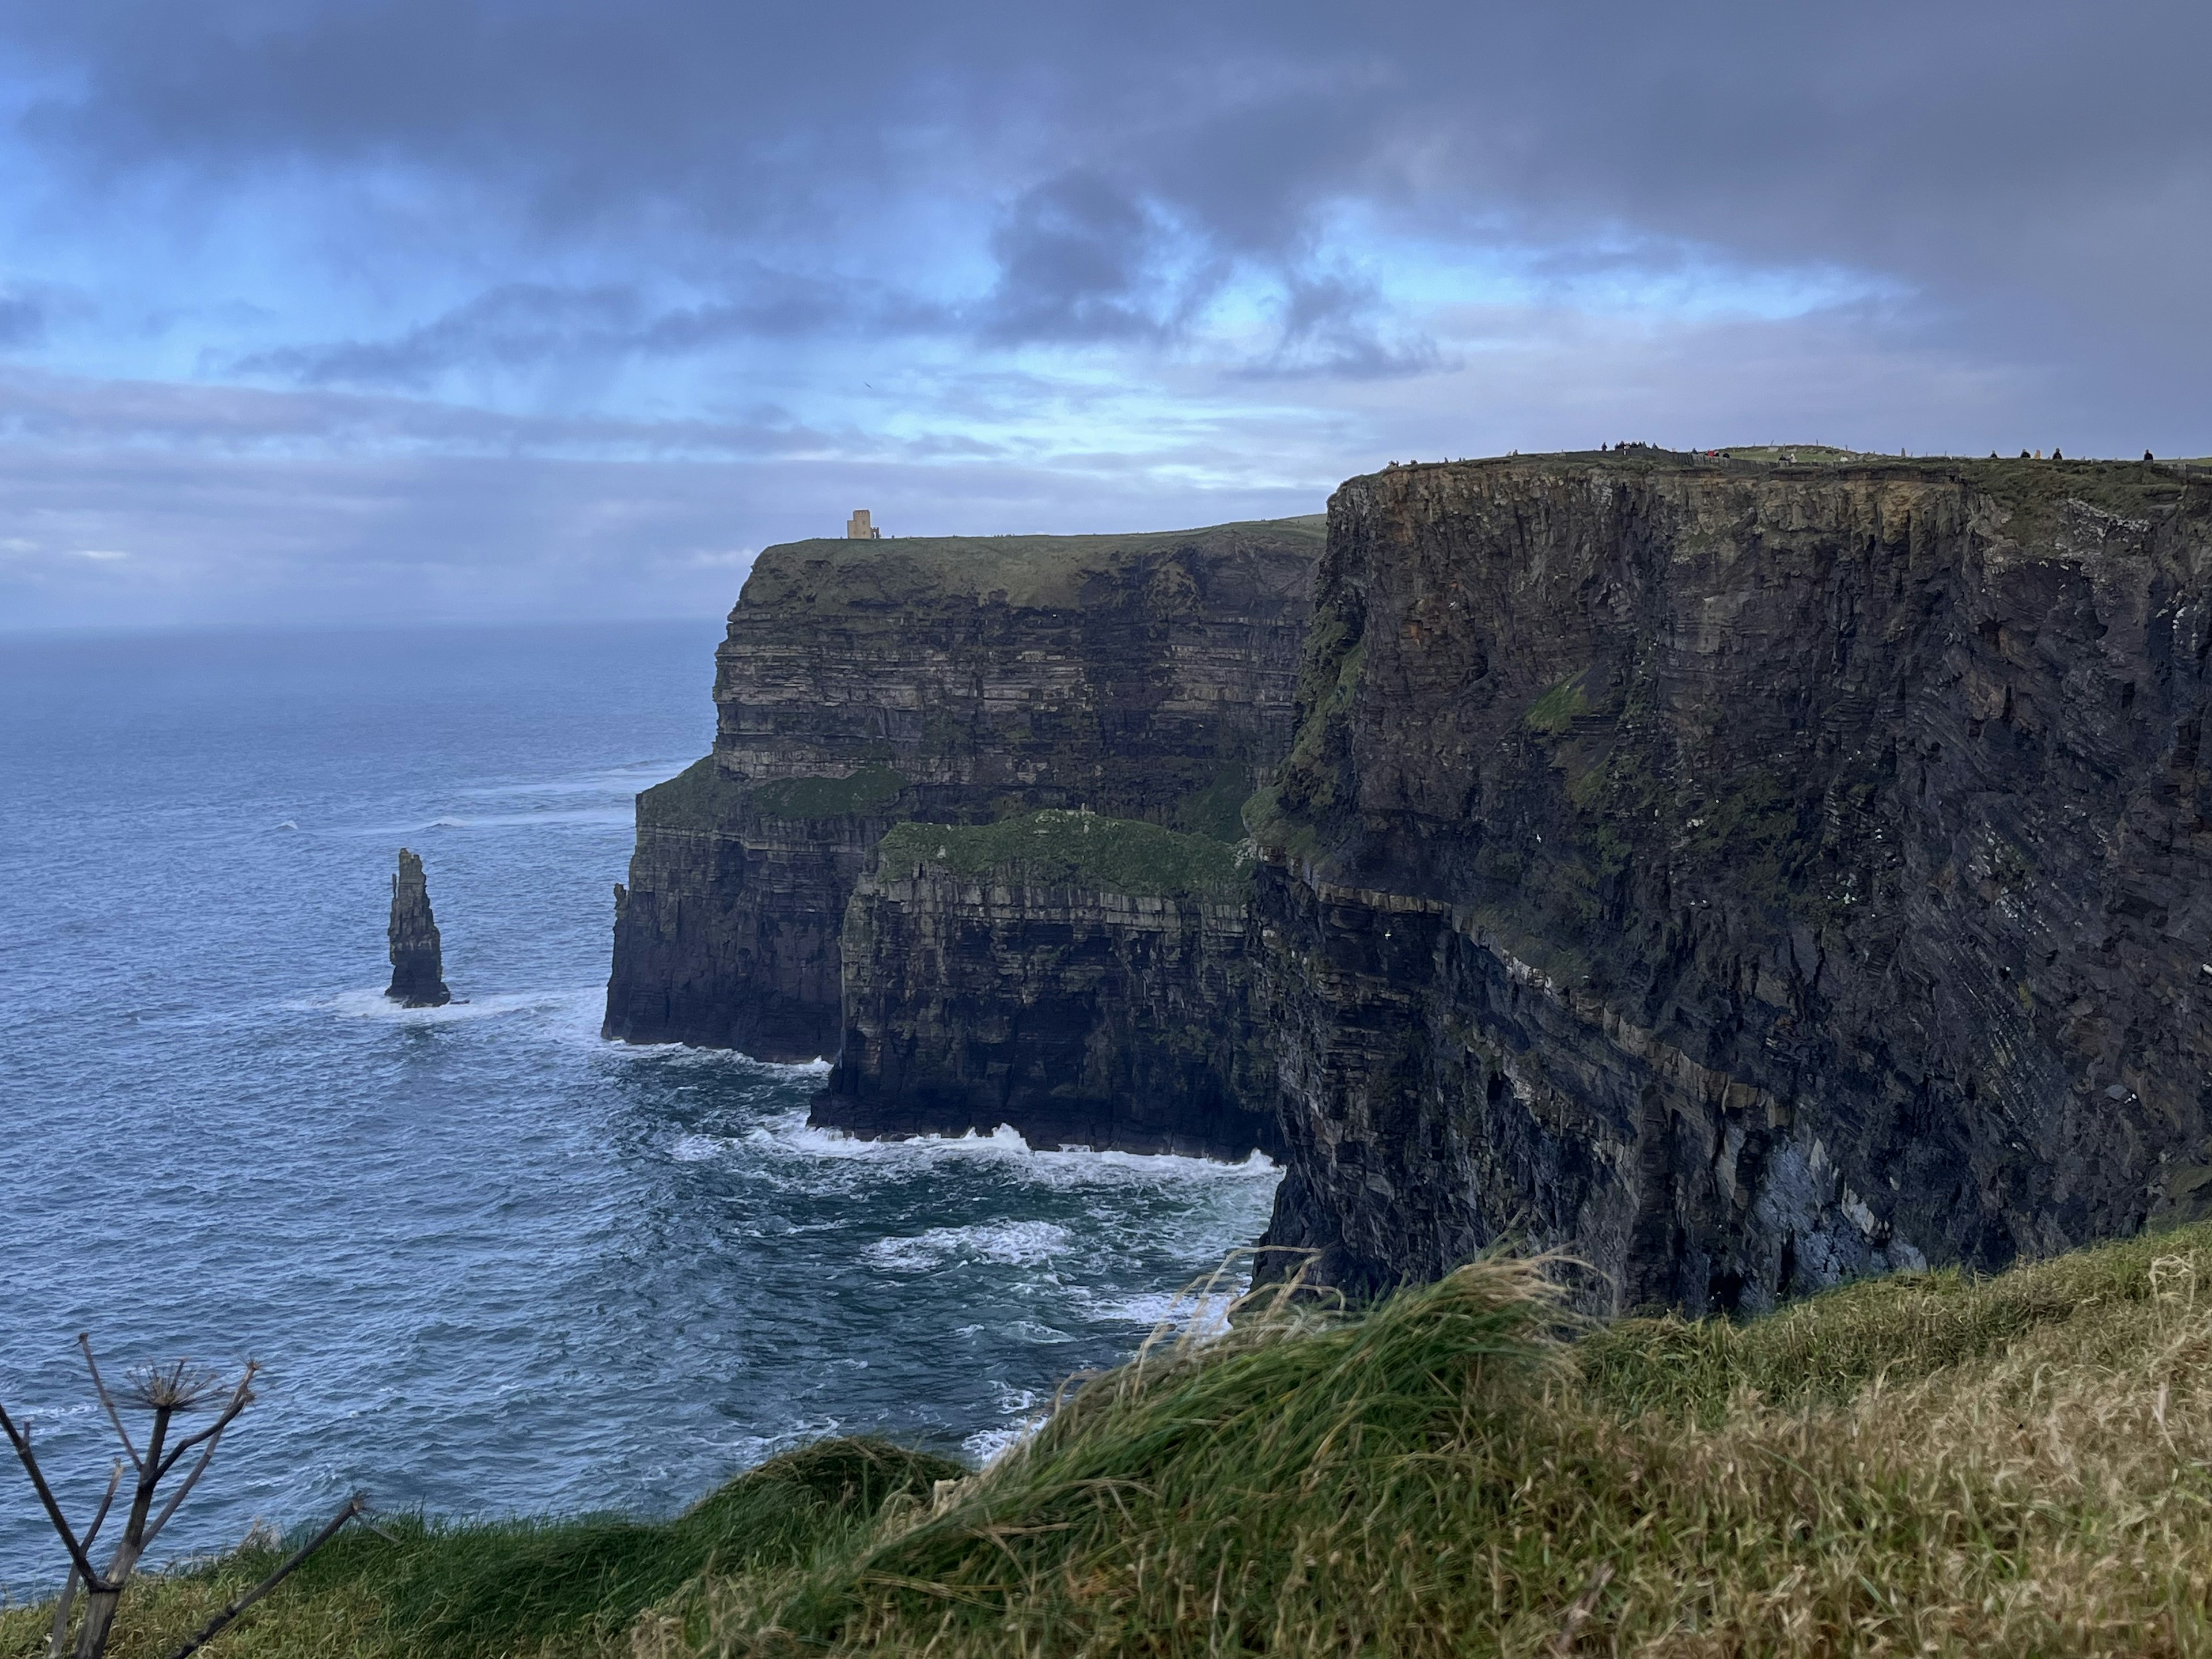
point(490, 1263)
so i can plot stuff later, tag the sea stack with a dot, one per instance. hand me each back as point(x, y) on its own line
point(417, 967)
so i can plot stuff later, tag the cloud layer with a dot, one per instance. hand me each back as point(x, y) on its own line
point(564, 301)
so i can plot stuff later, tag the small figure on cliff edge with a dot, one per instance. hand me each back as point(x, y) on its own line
point(417, 965)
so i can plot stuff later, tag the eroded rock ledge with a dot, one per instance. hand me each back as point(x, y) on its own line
point(1081, 979)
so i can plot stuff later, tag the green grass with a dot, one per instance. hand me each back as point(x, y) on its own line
point(464, 1589)
point(1075, 850)
point(1930, 1463)
point(1555, 713)
point(833, 574)
point(871, 789)
point(700, 797)
point(1927, 1464)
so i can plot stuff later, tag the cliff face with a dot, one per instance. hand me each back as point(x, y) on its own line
point(418, 967)
point(1744, 876)
point(1082, 979)
point(950, 680)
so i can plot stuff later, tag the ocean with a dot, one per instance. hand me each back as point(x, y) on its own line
point(491, 1264)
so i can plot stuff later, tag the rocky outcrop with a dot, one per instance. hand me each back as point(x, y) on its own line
point(1081, 979)
point(419, 969)
point(1744, 876)
point(954, 680)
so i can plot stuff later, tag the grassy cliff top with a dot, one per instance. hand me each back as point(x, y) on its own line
point(1927, 1463)
point(1027, 570)
point(1076, 849)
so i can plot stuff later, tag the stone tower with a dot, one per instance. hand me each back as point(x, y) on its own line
point(858, 528)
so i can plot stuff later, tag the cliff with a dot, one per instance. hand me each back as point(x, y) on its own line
point(1080, 978)
point(956, 680)
point(419, 969)
point(1744, 876)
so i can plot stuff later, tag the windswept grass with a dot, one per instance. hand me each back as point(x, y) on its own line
point(514, 1586)
point(1927, 1464)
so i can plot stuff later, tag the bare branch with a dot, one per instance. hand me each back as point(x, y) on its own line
point(67, 1601)
point(22, 1445)
point(214, 1627)
point(212, 1435)
point(154, 1528)
point(84, 1341)
point(240, 1400)
point(99, 1514)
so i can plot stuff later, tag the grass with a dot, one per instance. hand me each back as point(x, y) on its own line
point(700, 797)
point(1926, 1464)
point(457, 1591)
point(1555, 712)
point(871, 789)
point(835, 575)
point(1929, 1464)
point(1076, 849)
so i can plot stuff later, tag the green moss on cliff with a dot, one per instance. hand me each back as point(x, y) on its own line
point(701, 797)
point(1076, 849)
point(873, 789)
point(1555, 713)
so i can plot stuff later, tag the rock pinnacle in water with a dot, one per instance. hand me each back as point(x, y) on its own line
point(417, 966)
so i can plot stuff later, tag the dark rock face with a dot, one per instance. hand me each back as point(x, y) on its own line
point(417, 964)
point(1046, 1000)
point(1745, 878)
point(864, 684)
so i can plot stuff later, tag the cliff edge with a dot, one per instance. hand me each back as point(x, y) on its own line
point(958, 680)
point(1744, 876)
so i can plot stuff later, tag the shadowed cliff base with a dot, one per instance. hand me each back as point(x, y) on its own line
point(1745, 876)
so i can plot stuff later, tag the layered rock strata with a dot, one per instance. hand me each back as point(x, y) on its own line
point(956, 680)
point(418, 969)
point(1081, 979)
point(1744, 876)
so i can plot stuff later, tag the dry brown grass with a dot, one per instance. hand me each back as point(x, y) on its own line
point(1443, 1477)
point(1928, 1464)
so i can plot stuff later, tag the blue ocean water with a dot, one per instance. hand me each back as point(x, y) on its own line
point(491, 1263)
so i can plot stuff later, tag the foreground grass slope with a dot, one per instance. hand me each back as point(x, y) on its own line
point(1923, 1464)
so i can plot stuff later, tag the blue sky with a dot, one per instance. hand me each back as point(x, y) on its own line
point(356, 310)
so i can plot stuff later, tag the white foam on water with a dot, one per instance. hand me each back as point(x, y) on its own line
point(1198, 1313)
point(1029, 1411)
point(373, 1004)
point(697, 1149)
point(677, 1053)
point(625, 780)
point(1014, 1244)
point(790, 1135)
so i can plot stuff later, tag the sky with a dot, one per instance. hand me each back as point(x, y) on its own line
point(321, 312)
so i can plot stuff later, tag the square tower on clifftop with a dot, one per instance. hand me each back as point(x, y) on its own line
point(858, 529)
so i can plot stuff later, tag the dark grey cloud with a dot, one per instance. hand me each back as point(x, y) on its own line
point(1057, 267)
point(527, 325)
point(2038, 175)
